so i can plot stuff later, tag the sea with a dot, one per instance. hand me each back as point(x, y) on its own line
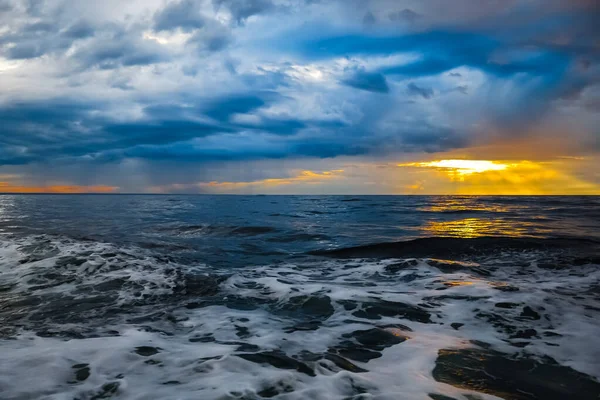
point(299, 297)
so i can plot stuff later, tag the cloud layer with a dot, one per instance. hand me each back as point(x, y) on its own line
point(132, 94)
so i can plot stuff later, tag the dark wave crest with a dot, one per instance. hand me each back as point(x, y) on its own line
point(209, 229)
point(454, 247)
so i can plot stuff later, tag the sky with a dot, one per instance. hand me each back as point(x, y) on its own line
point(300, 96)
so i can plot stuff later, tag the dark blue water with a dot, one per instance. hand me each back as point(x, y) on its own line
point(242, 230)
point(299, 297)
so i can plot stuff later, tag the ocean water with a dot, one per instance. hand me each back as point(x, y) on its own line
point(299, 297)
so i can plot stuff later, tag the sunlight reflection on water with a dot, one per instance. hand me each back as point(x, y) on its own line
point(477, 227)
point(491, 218)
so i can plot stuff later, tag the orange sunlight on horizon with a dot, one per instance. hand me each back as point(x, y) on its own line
point(303, 177)
point(462, 167)
point(497, 177)
point(6, 187)
point(444, 176)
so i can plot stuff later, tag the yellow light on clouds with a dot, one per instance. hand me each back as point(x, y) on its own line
point(462, 167)
point(479, 177)
point(303, 177)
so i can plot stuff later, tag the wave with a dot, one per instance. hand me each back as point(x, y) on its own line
point(143, 326)
point(59, 281)
point(545, 200)
point(209, 229)
point(298, 237)
point(453, 247)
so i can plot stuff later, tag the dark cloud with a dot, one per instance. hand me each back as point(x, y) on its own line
point(5, 6)
point(211, 38)
point(431, 42)
point(64, 129)
point(183, 14)
point(432, 140)
point(442, 51)
point(187, 153)
point(330, 148)
point(543, 73)
point(25, 51)
point(79, 30)
point(265, 80)
point(59, 124)
point(369, 19)
point(120, 50)
point(157, 132)
point(33, 40)
point(190, 70)
point(415, 90)
point(421, 137)
point(405, 15)
point(38, 28)
point(31, 131)
point(282, 126)
point(40, 34)
point(243, 148)
point(35, 7)
point(371, 82)
point(221, 109)
point(243, 9)
point(209, 35)
point(464, 89)
point(122, 83)
point(217, 43)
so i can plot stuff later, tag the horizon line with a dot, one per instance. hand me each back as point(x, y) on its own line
point(287, 194)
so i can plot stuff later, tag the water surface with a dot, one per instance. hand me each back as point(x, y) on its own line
point(251, 297)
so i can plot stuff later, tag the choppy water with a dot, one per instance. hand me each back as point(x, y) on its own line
point(252, 297)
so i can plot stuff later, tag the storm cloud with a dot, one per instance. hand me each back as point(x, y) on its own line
point(198, 82)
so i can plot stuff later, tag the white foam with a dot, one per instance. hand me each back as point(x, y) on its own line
point(37, 367)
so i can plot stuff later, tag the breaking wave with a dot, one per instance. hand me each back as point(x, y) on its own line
point(434, 318)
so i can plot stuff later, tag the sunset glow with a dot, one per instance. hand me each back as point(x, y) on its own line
point(305, 177)
point(486, 177)
point(462, 167)
point(6, 187)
